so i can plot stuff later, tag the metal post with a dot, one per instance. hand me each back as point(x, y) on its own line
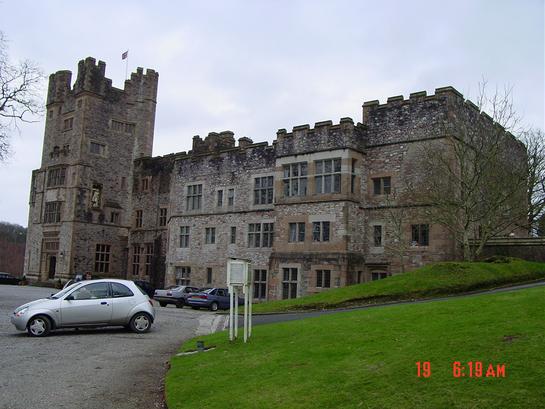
point(251, 297)
point(236, 312)
point(245, 313)
point(231, 317)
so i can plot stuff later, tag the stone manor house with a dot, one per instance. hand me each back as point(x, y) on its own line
point(311, 210)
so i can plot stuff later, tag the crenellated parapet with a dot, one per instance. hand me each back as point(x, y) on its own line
point(217, 142)
point(420, 116)
point(91, 78)
point(142, 86)
point(324, 136)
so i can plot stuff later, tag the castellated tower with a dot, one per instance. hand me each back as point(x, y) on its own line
point(80, 197)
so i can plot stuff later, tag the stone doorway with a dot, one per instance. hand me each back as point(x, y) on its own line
point(52, 267)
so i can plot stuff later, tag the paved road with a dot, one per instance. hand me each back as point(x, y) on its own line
point(88, 369)
point(272, 318)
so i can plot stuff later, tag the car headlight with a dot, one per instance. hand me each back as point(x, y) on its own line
point(21, 311)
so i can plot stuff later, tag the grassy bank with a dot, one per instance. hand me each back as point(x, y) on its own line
point(367, 359)
point(429, 281)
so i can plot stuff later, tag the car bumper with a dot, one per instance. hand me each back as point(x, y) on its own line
point(19, 322)
point(170, 300)
point(198, 303)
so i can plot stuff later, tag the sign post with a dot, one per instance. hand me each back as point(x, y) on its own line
point(238, 278)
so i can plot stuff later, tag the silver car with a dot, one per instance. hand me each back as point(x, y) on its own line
point(91, 303)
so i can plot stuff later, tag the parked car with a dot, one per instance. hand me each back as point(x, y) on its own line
point(89, 303)
point(6, 278)
point(176, 294)
point(147, 287)
point(212, 298)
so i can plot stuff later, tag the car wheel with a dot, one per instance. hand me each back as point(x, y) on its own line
point(214, 306)
point(140, 322)
point(163, 304)
point(180, 304)
point(39, 326)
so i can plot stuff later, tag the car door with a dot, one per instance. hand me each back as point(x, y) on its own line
point(123, 301)
point(223, 298)
point(90, 304)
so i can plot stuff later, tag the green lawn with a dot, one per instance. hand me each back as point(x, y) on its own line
point(429, 281)
point(367, 359)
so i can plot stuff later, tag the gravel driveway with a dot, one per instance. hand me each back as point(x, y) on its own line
point(103, 368)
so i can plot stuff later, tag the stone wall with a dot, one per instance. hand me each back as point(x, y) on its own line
point(93, 132)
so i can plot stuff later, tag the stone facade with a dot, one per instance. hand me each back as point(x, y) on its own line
point(80, 200)
point(311, 211)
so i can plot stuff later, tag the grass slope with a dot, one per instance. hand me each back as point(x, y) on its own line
point(366, 359)
point(429, 281)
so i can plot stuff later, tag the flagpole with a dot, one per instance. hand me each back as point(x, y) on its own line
point(127, 66)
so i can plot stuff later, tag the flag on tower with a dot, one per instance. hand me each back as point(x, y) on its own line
point(125, 55)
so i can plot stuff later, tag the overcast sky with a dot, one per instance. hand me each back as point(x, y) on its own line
point(255, 66)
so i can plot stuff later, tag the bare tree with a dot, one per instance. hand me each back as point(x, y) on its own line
point(534, 139)
point(20, 95)
point(399, 210)
point(475, 177)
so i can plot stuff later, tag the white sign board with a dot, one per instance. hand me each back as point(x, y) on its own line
point(237, 273)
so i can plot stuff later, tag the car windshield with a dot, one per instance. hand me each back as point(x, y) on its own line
point(140, 288)
point(206, 290)
point(64, 291)
point(172, 287)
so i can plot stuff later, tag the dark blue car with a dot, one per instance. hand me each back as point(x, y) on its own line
point(211, 298)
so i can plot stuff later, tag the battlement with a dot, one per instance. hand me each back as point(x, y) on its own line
point(322, 127)
point(216, 142)
point(325, 134)
point(443, 93)
point(91, 77)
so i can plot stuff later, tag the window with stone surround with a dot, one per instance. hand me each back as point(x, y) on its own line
point(138, 219)
point(52, 212)
point(145, 184)
point(263, 190)
point(56, 177)
point(297, 232)
point(210, 235)
point(295, 179)
point(163, 216)
point(120, 126)
point(183, 275)
point(102, 258)
point(382, 185)
point(260, 234)
point(230, 197)
point(353, 177)
point(194, 197)
point(420, 234)
point(68, 124)
point(114, 217)
point(289, 283)
point(328, 175)
point(323, 278)
point(136, 251)
point(97, 148)
point(184, 236)
point(219, 202)
point(320, 231)
point(378, 275)
point(260, 284)
point(377, 236)
point(233, 239)
point(148, 258)
point(209, 275)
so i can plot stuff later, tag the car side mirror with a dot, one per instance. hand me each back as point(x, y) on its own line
point(69, 298)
